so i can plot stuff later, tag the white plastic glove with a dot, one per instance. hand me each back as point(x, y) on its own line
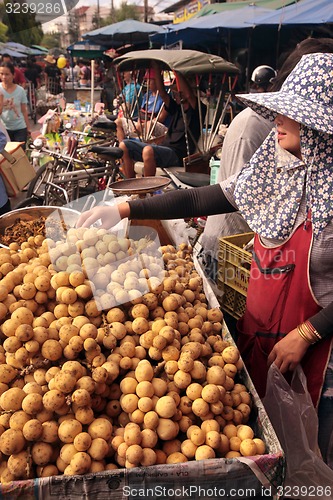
point(109, 216)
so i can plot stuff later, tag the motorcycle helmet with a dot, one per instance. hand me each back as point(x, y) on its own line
point(262, 76)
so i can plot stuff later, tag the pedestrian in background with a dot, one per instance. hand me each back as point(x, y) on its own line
point(19, 77)
point(13, 105)
point(52, 76)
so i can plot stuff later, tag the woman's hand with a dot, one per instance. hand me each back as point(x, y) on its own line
point(109, 216)
point(288, 352)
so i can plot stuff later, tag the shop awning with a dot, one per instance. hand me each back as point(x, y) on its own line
point(305, 12)
point(86, 50)
point(209, 27)
point(128, 31)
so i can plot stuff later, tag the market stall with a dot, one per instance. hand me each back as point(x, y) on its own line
point(88, 51)
point(65, 464)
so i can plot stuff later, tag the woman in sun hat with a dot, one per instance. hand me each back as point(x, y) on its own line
point(52, 75)
point(285, 194)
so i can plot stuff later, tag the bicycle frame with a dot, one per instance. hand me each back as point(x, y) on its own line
point(67, 178)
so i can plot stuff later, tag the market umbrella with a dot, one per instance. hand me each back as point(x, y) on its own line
point(128, 31)
point(39, 47)
point(56, 52)
point(4, 49)
point(18, 47)
point(86, 50)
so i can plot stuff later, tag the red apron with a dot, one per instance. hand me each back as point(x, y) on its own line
point(280, 298)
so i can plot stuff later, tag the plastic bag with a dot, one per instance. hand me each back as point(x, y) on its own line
point(295, 422)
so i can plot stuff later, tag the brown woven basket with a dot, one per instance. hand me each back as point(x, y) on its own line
point(42, 110)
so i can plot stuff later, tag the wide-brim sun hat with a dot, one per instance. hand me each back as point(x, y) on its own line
point(50, 59)
point(306, 96)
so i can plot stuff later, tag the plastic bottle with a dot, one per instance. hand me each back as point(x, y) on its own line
point(214, 166)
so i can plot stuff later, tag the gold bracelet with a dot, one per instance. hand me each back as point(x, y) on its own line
point(308, 332)
point(313, 330)
point(301, 334)
point(304, 335)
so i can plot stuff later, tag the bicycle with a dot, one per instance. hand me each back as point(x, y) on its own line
point(101, 134)
point(68, 178)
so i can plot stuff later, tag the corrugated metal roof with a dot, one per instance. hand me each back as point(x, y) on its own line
point(220, 7)
point(214, 8)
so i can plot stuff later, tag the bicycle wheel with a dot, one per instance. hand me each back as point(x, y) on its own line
point(45, 175)
point(36, 184)
point(32, 201)
point(56, 195)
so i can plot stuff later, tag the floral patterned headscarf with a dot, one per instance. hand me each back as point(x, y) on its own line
point(270, 188)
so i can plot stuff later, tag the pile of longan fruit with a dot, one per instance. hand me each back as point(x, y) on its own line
point(111, 358)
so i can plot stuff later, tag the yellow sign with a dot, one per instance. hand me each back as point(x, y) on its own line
point(189, 10)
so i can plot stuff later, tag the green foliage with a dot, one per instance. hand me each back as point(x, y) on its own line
point(95, 23)
point(51, 40)
point(125, 11)
point(73, 27)
point(3, 31)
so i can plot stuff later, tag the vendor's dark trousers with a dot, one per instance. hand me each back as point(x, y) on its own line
point(5, 208)
point(20, 135)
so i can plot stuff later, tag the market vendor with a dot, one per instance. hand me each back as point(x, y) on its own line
point(284, 194)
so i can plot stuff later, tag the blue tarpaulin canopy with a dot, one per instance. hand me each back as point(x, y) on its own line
point(305, 12)
point(128, 31)
point(4, 49)
point(209, 27)
point(22, 49)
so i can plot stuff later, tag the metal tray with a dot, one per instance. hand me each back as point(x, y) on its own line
point(68, 215)
point(141, 185)
point(32, 213)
